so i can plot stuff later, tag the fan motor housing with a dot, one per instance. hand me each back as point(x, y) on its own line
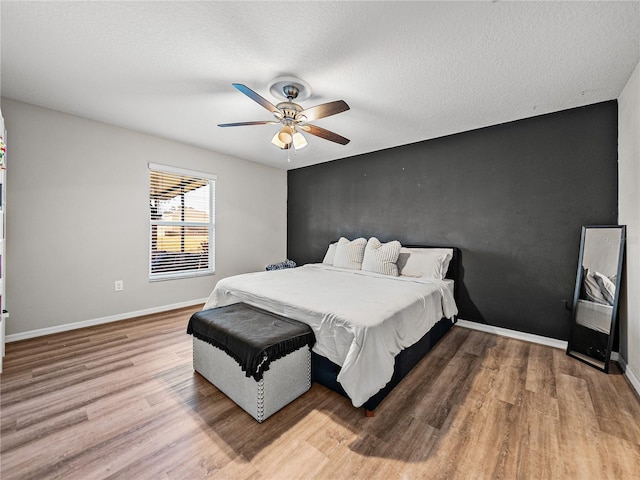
point(289, 110)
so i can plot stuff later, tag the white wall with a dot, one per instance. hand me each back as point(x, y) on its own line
point(629, 214)
point(78, 219)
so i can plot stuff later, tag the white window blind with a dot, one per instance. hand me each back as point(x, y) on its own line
point(182, 211)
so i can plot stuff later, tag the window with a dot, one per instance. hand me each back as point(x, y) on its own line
point(182, 211)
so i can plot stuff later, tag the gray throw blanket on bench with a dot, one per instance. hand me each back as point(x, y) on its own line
point(251, 336)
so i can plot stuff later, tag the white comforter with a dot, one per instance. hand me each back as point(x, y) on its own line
point(361, 320)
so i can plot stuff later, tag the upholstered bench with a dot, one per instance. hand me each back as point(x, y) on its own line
point(260, 360)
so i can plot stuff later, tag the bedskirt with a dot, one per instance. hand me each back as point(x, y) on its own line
point(325, 372)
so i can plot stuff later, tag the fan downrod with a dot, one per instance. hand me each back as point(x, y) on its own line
point(290, 91)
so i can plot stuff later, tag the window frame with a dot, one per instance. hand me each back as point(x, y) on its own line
point(212, 179)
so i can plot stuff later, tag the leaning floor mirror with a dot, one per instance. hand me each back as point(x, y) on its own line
point(595, 299)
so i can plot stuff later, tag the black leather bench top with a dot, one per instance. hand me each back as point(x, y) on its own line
point(250, 335)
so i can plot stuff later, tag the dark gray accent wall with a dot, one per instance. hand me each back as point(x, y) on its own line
point(512, 197)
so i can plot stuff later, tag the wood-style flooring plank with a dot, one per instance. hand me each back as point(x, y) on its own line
point(121, 401)
point(538, 440)
point(540, 371)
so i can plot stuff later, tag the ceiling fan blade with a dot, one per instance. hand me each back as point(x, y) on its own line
point(324, 110)
point(255, 97)
point(243, 124)
point(323, 133)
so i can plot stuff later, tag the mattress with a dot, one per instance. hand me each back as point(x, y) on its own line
point(361, 320)
point(594, 316)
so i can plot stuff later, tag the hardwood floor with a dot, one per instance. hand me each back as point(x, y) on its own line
point(121, 401)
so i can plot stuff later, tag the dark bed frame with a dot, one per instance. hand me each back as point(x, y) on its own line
point(325, 372)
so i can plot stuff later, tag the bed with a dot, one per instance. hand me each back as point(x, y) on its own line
point(594, 315)
point(370, 328)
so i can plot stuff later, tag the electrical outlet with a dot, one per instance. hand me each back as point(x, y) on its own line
point(119, 285)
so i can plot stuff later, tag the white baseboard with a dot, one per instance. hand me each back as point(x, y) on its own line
point(99, 321)
point(505, 332)
point(630, 374)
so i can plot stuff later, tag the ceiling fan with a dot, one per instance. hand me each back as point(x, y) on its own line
point(292, 116)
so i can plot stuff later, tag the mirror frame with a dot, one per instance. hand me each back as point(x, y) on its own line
point(595, 363)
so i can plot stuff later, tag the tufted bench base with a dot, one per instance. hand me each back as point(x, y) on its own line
point(287, 379)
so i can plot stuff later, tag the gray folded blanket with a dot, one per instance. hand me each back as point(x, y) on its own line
point(251, 336)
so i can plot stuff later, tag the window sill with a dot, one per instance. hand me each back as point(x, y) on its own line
point(178, 276)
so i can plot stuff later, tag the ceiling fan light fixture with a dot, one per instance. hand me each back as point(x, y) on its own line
point(285, 135)
point(299, 141)
point(277, 142)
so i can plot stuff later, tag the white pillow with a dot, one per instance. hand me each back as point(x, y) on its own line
point(424, 262)
point(331, 252)
point(381, 258)
point(349, 254)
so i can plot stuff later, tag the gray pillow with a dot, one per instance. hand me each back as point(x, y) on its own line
point(607, 287)
point(592, 289)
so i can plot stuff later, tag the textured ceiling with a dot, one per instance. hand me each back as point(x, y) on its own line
point(409, 70)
